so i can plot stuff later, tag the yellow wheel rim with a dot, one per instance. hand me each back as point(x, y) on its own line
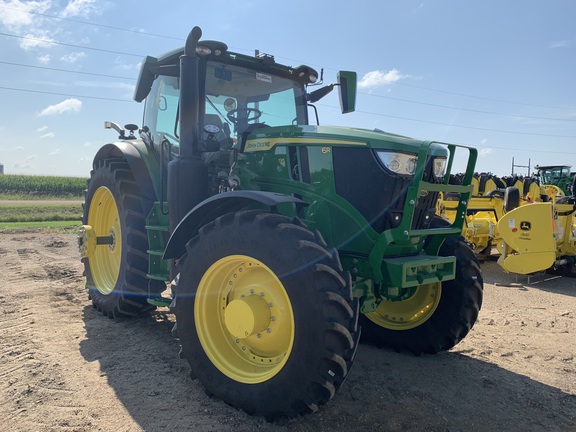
point(244, 319)
point(104, 218)
point(410, 313)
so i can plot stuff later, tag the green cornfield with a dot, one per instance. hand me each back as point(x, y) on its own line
point(24, 186)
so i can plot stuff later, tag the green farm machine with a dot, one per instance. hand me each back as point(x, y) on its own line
point(272, 238)
point(556, 176)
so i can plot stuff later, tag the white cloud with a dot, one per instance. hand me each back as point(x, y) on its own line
point(44, 59)
point(380, 78)
point(36, 41)
point(125, 66)
point(54, 153)
point(80, 8)
point(418, 8)
point(69, 105)
point(485, 152)
point(49, 83)
point(560, 44)
point(73, 57)
point(15, 15)
point(25, 18)
point(26, 163)
point(104, 84)
point(42, 129)
point(48, 135)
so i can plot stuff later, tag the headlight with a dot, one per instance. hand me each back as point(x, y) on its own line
point(399, 163)
point(439, 166)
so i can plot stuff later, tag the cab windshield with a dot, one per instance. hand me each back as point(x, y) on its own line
point(238, 96)
point(552, 174)
point(235, 98)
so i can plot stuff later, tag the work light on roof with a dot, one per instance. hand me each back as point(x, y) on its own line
point(202, 50)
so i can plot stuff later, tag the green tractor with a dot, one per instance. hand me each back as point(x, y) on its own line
point(557, 179)
point(274, 240)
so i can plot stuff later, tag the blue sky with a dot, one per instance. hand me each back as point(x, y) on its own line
point(498, 75)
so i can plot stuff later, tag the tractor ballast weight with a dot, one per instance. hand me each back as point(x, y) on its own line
point(280, 239)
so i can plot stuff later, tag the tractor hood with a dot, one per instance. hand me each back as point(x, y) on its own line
point(266, 138)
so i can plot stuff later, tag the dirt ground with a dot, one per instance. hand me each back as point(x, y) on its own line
point(64, 367)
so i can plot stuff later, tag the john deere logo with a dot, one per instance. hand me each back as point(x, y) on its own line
point(525, 226)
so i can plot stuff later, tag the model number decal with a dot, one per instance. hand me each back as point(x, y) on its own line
point(263, 77)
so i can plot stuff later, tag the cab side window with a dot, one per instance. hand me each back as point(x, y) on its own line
point(161, 112)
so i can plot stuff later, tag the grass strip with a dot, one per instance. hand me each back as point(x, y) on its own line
point(45, 226)
point(39, 213)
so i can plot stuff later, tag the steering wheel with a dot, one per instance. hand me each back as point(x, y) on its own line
point(255, 113)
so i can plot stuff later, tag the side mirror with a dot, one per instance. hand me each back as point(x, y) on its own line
point(347, 90)
point(145, 78)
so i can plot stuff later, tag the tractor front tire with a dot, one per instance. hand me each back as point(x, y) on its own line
point(265, 314)
point(116, 271)
point(437, 316)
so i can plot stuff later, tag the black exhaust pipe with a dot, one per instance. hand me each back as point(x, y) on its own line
point(187, 173)
point(189, 96)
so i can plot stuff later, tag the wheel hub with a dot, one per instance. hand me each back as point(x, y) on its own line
point(244, 319)
point(110, 240)
point(101, 240)
point(247, 316)
point(410, 312)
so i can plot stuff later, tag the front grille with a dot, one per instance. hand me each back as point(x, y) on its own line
point(425, 210)
point(376, 193)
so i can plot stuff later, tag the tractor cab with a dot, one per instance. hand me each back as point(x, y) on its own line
point(235, 94)
point(556, 178)
point(219, 101)
point(552, 174)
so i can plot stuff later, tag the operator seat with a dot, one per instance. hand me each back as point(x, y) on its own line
point(217, 161)
point(221, 137)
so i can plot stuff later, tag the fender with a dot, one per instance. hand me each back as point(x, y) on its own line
point(218, 205)
point(133, 155)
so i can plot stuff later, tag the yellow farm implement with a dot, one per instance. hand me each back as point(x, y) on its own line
point(529, 225)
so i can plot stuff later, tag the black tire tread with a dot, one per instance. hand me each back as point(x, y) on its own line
point(339, 332)
point(129, 297)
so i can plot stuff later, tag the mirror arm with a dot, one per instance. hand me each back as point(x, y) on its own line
point(316, 95)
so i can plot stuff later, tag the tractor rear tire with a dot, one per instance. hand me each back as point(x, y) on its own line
point(440, 315)
point(265, 314)
point(511, 198)
point(116, 273)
